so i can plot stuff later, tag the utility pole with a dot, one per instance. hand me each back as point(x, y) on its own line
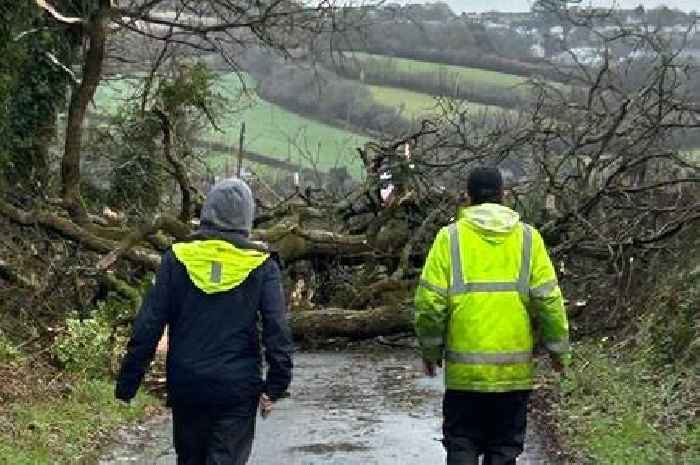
point(241, 141)
point(227, 164)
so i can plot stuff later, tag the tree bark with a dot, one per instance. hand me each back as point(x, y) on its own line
point(80, 98)
point(140, 233)
point(294, 243)
point(381, 292)
point(180, 171)
point(9, 273)
point(362, 324)
point(67, 228)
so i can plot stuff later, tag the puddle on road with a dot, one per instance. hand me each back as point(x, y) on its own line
point(345, 408)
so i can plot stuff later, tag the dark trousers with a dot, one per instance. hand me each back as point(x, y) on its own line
point(488, 424)
point(212, 437)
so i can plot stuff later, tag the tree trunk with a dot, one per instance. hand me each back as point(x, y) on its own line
point(10, 274)
point(40, 150)
point(80, 98)
point(362, 324)
point(294, 243)
point(144, 257)
point(180, 171)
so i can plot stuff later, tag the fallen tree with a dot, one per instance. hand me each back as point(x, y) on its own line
point(11, 275)
point(594, 167)
point(353, 324)
point(73, 231)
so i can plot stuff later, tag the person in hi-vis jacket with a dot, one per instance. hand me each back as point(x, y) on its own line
point(486, 276)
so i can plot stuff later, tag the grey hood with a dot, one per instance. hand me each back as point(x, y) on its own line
point(229, 208)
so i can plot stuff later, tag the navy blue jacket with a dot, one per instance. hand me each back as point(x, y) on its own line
point(214, 340)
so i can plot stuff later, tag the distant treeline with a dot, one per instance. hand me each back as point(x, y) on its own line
point(465, 58)
point(456, 42)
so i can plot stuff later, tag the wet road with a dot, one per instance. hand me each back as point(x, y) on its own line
point(349, 408)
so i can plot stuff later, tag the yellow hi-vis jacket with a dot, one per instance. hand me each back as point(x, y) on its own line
point(484, 277)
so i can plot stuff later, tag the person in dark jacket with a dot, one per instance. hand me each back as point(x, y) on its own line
point(211, 292)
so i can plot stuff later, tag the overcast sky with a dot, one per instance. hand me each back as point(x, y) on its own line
point(524, 5)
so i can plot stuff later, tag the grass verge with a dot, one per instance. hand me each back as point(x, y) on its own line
point(618, 408)
point(66, 426)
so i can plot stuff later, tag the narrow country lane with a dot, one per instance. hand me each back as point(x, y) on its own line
point(346, 408)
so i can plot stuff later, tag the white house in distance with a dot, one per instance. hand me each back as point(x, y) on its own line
point(590, 56)
point(557, 31)
point(537, 51)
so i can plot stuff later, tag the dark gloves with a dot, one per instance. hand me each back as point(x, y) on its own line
point(122, 393)
point(277, 395)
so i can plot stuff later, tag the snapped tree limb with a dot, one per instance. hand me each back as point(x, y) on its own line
point(162, 223)
point(56, 15)
point(9, 273)
point(71, 230)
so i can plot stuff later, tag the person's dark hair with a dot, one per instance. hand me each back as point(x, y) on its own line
point(485, 185)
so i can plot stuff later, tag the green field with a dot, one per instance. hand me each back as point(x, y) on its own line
point(114, 94)
point(473, 75)
point(694, 154)
point(691, 155)
point(270, 129)
point(414, 105)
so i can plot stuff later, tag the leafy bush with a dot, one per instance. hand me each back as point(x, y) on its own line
point(138, 176)
point(9, 353)
point(84, 347)
point(115, 311)
point(94, 346)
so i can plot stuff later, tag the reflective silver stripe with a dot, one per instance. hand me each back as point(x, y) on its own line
point(544, 290)
point(215, 275)
point(456, 259)
point(433, 287)
point(430, 341)
point(558, 346)
point(524, 277)
point(488, 358)
point(490, 287)
point(459, 286)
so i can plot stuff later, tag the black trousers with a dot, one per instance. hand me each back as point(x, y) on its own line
point(488, 424)
point(213, 437)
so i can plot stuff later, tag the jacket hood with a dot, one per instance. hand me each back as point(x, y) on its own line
point(229, 207)
point(217, 265)
point(491, 221)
